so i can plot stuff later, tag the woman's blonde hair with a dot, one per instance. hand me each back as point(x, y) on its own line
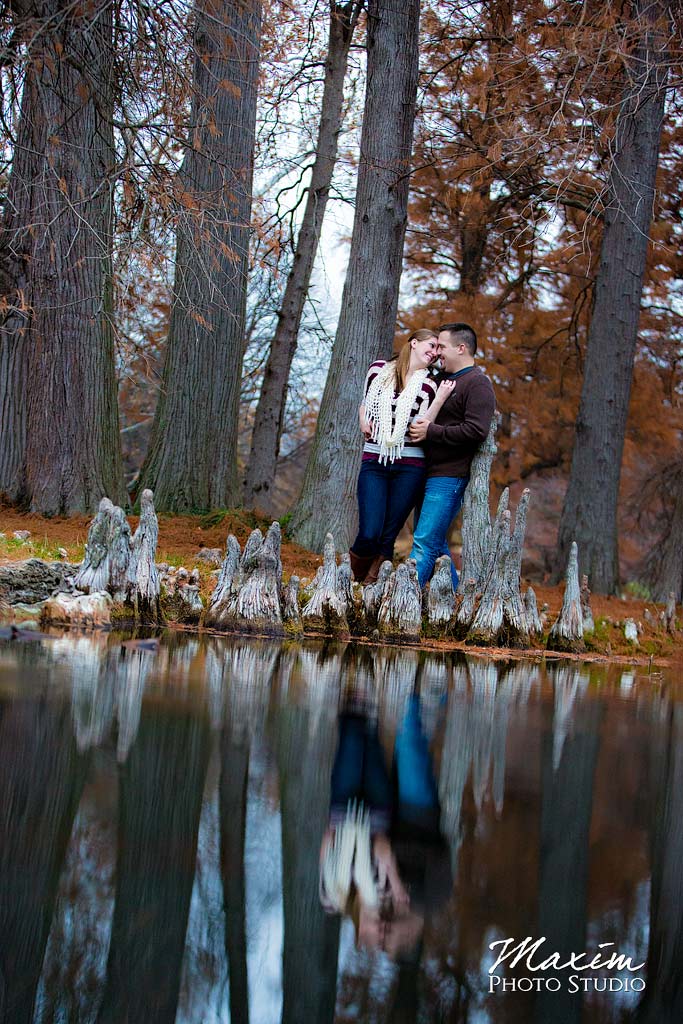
point(403, 357)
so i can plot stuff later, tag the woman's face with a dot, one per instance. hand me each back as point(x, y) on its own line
point(424, 352)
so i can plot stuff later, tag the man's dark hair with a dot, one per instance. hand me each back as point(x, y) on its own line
point(465, 335)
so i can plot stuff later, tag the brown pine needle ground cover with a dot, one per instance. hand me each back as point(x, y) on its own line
point(181, 538)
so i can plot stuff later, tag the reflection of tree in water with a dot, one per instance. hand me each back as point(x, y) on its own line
point(475, 739)
point(662, 1002)
point(569, 758)
point(41, 779)
point(306, 736)
point(160, 787)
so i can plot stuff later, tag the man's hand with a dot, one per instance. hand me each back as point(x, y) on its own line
point(419, 428)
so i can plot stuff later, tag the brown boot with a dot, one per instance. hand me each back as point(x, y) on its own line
point(373, 571)
point(360, 565)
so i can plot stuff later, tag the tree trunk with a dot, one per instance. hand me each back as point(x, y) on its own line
point(265, 440)
point(370, 298)
point(667, 575)
point(191, 463)
point(59, 443)
point(589, 515)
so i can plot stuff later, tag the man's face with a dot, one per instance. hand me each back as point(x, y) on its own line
point(452, 354)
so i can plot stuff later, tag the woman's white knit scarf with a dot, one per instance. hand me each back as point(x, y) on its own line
point(378, 410)
point(349, 858)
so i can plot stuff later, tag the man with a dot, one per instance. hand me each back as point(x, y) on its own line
point(450, 444)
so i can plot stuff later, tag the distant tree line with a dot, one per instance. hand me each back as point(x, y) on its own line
point(521, 168)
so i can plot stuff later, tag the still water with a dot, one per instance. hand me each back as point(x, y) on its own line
point(162, 814)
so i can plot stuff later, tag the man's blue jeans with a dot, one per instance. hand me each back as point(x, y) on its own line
point(387, 494)
point(441, 504)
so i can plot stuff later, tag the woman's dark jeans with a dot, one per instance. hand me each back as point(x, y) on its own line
point(387, 493)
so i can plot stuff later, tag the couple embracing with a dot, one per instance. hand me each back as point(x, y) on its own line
point(422, 429)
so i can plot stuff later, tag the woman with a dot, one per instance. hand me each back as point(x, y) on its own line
point(383, 860)
point(393, 469)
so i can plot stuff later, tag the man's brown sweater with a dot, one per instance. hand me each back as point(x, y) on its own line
point(461, 424)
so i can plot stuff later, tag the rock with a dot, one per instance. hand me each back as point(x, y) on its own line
point(20, 614)
point(63, 553)
point(213, 556)
point(33, 580)
point(21, 534)
point(91, 611)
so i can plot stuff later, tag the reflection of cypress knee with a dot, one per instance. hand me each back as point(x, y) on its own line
point(41, 780)
point(160, 798)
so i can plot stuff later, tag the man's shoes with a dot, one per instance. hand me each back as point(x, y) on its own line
point(360, 565)
point(373, 571)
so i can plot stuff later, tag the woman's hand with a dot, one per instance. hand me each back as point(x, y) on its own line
point(443, 392)
point(387, 871)
point(364, 425)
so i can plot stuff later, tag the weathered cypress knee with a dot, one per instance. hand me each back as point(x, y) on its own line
point(144, 585)
point(290, 608)
point(567, 632)
point(488, 618)
point(223, 592)
point(532, 616)
point(476, 519)
point(93, 574)
point(516, 631)
point(400, 613)
point(374, 592)
point(256, 606)
point(325, 611)
point(670, 613)
point(441, 598)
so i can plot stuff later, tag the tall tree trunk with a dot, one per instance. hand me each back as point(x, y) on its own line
point(589, 515)
point(370, 298)
point(667, 573)
point(265, 441)
point(59, 441)
point(191, 463)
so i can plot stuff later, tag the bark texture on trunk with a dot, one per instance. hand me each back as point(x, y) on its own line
point(191, 464)
point(59, 427)
point(370, 297)
point(589, 515)
point(270, 410)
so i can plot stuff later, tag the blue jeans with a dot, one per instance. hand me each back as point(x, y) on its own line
point(442, 500)
point(387, 493)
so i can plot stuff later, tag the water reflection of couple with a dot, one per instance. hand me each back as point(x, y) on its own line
point(383, 860)
point(421, 433)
